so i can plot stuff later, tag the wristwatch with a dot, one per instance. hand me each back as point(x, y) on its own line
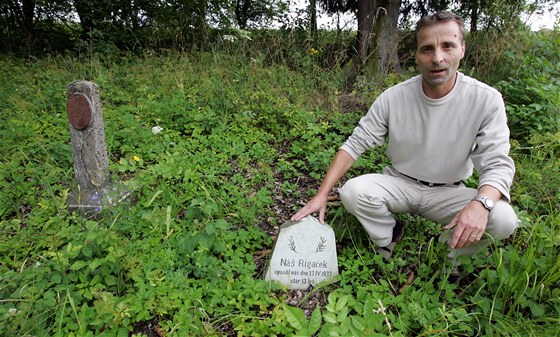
point(485, 201)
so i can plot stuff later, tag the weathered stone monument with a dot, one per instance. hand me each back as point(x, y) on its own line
point(304, 254)
point(91, 165)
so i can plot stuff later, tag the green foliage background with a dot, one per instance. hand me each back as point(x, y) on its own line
point(244, 132)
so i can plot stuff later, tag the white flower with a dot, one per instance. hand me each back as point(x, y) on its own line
point(12, 311)
point(156, 129)
point(230, 38)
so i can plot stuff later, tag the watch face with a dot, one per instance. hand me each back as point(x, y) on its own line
point(487, 202)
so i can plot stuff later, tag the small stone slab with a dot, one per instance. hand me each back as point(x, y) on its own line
point(89, 202)
point(304, 254)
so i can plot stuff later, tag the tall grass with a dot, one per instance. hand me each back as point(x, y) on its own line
point(244, 141)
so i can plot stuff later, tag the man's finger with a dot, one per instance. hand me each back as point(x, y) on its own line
point(450, 225)
point(322, 213)
point(299, 215)
point(456, 239)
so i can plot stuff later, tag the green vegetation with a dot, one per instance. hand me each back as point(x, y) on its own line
point(244, 140)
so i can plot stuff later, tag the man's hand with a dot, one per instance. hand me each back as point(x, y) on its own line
point(470, 225)
point(317, 204)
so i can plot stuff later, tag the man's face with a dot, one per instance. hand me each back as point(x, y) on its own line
point(439, 50)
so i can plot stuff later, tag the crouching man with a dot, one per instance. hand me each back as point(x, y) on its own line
point(439, 126)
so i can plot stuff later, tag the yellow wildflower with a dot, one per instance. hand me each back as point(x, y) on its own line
point(312, 51)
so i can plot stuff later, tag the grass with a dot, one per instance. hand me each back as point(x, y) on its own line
point(242, 144)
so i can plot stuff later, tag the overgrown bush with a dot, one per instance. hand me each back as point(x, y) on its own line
point(525, 68)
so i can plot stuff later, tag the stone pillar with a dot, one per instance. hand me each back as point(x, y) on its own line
point(91, 165)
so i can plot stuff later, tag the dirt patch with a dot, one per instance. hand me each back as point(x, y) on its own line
point(149, 328)
point(352, 103)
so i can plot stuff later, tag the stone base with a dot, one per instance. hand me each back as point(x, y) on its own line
point(90, 202)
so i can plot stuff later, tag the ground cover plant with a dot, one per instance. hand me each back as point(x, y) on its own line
point(241, 144)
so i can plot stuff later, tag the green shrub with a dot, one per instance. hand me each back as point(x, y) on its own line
point(531, 87)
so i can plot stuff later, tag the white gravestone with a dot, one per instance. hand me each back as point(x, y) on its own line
point(304, 254)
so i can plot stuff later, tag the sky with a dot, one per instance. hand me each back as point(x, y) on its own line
point(537, 22)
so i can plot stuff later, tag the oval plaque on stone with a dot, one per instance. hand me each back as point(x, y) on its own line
point(79, 110)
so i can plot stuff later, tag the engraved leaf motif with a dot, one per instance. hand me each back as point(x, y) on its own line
point(292, 244)
point(321, 245)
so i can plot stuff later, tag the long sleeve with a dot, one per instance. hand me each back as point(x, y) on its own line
point(370, 132)
point(491, 153)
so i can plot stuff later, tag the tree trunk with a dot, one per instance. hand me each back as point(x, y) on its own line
point(365, 23)
point(366, 12)
point(28, 21)
point(28, 15)
point(313, 22)
point(474, 15)
point(384, 57)
point(86, 15)
point(242, 13)
point(202, 7)
point(382, 17)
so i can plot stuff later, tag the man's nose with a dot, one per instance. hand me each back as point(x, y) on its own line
point(438, 56)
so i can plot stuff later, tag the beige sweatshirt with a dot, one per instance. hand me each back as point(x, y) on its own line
point(440, 140)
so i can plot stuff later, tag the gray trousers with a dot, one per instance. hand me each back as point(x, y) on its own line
point(373, 198)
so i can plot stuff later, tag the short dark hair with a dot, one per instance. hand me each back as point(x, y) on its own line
point(438, 17)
